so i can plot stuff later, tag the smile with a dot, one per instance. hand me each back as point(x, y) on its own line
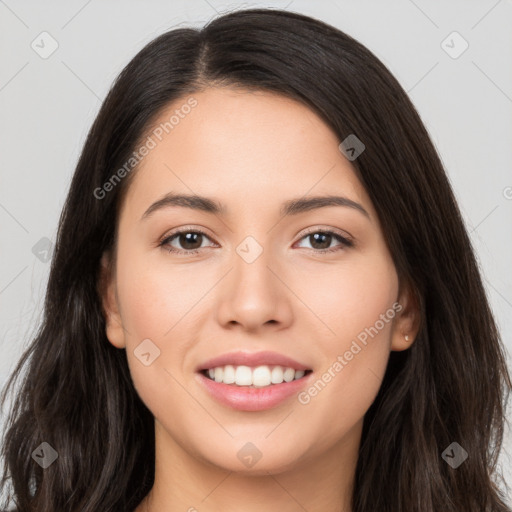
point(260, 376)
point(249, 397)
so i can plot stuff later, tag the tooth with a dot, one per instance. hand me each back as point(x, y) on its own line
point(277, 375)
point(219, 373)
point(261, 376)
point(229, 374)
point(289, 374)
point(243, 376)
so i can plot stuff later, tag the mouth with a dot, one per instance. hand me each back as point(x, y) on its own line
point(262, 376)
point(253, 381)
point(260, 388)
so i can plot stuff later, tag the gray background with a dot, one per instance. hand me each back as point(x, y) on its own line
point(47, 106)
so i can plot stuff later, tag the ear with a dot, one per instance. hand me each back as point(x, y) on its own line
point(107, 290)
point(407, 321)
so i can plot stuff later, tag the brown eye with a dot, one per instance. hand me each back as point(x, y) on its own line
point(188, 241)
point(321, 241)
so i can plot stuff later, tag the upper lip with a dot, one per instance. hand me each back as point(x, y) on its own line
point(252, 359)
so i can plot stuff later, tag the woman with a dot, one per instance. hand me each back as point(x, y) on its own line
point(324, 343)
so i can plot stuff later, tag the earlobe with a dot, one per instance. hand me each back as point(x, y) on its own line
point(109, 301)
point(407, 322)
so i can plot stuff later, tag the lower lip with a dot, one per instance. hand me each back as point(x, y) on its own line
point(245, 398)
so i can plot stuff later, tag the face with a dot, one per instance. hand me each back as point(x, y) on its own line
point(314, 283)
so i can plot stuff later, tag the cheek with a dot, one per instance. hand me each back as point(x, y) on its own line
point(156, 296)
point(356, 303)
point(349, 297)
point(156, 304)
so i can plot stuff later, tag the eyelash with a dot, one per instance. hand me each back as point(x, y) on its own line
point(345, 242)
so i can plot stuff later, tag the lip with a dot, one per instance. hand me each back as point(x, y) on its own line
point(245, 398)
point(253, 359)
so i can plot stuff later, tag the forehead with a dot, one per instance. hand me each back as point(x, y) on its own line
point(246, 148)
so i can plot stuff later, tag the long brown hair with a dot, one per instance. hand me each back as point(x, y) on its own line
point(450, 386)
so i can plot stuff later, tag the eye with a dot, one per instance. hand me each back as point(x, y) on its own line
point(189, 239)
point(320, 241)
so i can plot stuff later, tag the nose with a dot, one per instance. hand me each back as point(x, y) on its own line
point(254, 295)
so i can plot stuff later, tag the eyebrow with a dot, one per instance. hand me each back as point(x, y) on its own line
point(290, 207)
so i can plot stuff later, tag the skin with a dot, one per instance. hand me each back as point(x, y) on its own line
point(252, 151)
